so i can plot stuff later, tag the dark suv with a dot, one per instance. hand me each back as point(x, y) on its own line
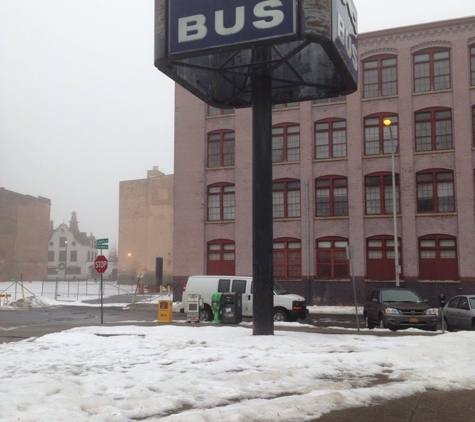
point(395, 307)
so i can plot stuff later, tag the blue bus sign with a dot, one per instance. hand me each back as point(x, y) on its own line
point(345, 31)
point(197, 25)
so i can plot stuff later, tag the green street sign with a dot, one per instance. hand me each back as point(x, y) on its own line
point(100, 241)
point(102, 246)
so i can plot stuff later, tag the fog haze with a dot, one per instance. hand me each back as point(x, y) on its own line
point(82, 106)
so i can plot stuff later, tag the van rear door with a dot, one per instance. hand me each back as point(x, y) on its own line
point(243, 286)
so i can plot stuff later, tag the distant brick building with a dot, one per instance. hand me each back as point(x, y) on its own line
point(333, 179)
point(24, 222)
point(146, 228)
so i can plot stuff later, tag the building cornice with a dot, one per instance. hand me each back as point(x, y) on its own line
point(428, 30)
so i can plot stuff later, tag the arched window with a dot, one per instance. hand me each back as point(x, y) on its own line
point(330, 138)
point(331, 260)
point(379, 193)
point(438, 257)
point(431, 70)
point(285, 105)
point(285, 142)
point(214, 111)
point(221, 202)
point(435, 191)
point(380, 263)
point(378, 139)
point(433, 129)
point(339, 99)
point(331, 196)
point(472, 65)
point(286, 198)
point(380, 76)
point(221, 148)
point(287, 256)
point(221, 257)
point(473, 125)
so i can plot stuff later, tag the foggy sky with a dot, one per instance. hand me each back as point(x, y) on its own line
point(82, 106)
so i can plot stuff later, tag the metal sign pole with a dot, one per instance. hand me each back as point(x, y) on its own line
point(102, 302)
point(350, 255)
point(262, 235)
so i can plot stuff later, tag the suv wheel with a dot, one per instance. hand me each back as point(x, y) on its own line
point(368, 324)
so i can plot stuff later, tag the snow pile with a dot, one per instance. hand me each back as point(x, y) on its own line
point(30, 302)
point(219, 373)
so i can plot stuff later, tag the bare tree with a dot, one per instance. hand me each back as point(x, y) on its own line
point(112, 255)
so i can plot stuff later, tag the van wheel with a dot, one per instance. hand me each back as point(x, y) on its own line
point(280, 315)
point(206, 314)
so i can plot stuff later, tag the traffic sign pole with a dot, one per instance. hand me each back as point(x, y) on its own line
point(100, 264)
point(102, 301)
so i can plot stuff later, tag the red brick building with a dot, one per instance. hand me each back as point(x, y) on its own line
point(333, 176)
point(24, 234)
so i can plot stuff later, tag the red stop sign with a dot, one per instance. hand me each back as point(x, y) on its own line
point(100, 264)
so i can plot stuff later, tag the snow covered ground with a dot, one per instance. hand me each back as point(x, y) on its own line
point(192, 373)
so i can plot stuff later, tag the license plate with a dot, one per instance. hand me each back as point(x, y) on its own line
point(413, 320)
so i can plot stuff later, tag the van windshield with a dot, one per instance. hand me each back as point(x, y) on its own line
point(279, 290)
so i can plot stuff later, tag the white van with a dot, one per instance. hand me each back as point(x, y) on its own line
point(287, 307)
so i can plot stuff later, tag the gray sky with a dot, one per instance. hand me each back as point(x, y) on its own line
point(82, 106)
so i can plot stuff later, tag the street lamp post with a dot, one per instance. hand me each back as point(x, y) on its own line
point(66, 261)
point(387, 123)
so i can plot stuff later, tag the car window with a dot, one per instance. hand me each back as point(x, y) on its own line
point(223, 285)
point(400, 296)
point(239, 286)
point(453, 302)
point(463, 303)
point(472, 302)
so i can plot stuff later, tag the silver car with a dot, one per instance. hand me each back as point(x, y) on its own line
point(459, 313)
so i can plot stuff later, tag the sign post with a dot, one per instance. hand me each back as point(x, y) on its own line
point(100, 264)
point(350, 254)
point(262, 230)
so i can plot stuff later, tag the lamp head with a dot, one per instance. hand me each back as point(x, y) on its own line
point(387, 122)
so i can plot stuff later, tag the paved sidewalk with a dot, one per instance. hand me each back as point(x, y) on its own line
point(432, 406)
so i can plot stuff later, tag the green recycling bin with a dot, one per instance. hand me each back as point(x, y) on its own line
point(216, 307)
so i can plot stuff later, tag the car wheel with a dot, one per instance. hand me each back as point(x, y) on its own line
point(368, 324)
point(448, 326)
point(206, 314)
point(280, 315)
point(381, 322)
